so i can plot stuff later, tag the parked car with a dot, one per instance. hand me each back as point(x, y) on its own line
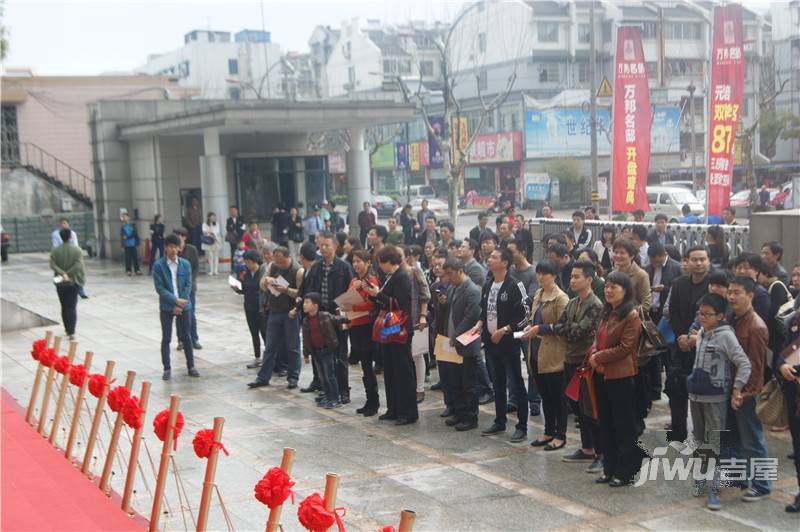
point(670, 201)
point(420, 191)
point(384, 204)
point(439, 208)
point(742, 198)
point(783, 199)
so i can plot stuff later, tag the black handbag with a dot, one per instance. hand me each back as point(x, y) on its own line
point(650, 339)
point(207, 240)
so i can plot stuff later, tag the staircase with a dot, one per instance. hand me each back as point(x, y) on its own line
point(52, 169)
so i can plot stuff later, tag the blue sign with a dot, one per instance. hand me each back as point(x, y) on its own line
point(435, 157)
point(566, 132)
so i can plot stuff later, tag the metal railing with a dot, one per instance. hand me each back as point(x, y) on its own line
point(737, 237)
point(29, 154)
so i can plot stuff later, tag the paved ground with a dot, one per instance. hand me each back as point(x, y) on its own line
point(454, 481)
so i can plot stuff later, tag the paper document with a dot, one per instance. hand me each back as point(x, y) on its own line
point(279, 281)
point(518, 335)
point(419, 343)
point(468, 337)
point(351, 297)
point(233, 282)
point(445, 352)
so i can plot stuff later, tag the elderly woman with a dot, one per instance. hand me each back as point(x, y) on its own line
point(614, 363)
point(399, 379)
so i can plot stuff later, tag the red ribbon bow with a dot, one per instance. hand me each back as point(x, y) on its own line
point(117, 398)
point(315, 517)
point(274, 488)
point(47, 357)
point(37, 348)
point(160, 426)
point(77, 374)
point(204, 443)
point(61, 364)
point(132, 413)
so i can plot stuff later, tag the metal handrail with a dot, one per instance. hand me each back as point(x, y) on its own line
point(37, 157)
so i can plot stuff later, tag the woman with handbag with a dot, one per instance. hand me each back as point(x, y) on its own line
point(546, 356)
point(420, 297)
point(392, 331)
point(614, 361)
point(211, 240)
point(361, 342)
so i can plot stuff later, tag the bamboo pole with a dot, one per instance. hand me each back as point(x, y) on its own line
point(46, 396)
point(166, 452)
point(73, 346)
point(37, 381)
point(331, 488)
point(114, 442)
point(76, 413)
point(98, 416)
point(211, 471)
point(275, 513)
point(135, 445)
point(407, 518)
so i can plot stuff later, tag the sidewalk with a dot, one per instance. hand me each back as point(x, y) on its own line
point(454, 481)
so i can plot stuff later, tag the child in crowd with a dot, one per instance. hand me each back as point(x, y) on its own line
point(321, 342)
point(238, 259)
point(709, 385)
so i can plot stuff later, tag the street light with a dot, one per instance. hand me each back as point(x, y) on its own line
point(691, 88)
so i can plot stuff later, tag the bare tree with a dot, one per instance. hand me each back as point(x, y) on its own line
point(452, 107)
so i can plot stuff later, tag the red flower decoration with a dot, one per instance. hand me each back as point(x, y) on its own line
point(203, 443)
point(388, 528)
point(274, 488)
point(97, 382)
point(313, 515)
point(77, 374)
point(132, 412)
point(118, 397)
point(61, 364)
point(160, 426)
point(47, 357)
point(37, 347)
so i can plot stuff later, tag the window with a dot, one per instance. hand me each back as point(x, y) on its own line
point(649, 30)
point(548, 31)
point(183, 69)
point(235, 93)
point(405, 66)
point(483, 81)
point(482, 42)
point(233, 66)
point(684, 68)
point(584, 33)
point(10, 134)
point(426, 68)
point(607, 26)
point(684, 31)
point(548, 73)
point(652, 198)
point(583, 72)
point(389, 66)
point(514, 122)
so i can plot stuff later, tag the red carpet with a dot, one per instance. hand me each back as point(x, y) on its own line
point(41, 490)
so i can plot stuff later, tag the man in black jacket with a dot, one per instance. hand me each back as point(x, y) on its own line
point(686, 291)
point(234, 229)
point(504, 310)
point(483, 221)
point(308, 256)
point(662, 271)
point(330, 277)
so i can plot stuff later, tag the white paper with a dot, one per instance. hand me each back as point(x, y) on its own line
point(279, 281)
point(58, 279)
point(419, 343)
point(350, 297)
point(518, 335)
point(233, 282)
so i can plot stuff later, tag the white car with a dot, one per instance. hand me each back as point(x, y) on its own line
point(439, 208)
point(670, 200)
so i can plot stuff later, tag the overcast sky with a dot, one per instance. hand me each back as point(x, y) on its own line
point(91, 37)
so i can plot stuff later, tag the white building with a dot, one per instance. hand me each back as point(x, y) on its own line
point(786, 42)
point(247, 67)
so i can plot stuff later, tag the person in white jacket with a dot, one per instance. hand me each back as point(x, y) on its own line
point(211, 242)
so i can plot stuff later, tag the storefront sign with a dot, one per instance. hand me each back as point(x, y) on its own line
point(383, 158)
point(337, 162)
point(413, 151)
point(725, 95)
point(537, 186)
point(496, 148)
point(459, 132)
point(400, 156)
point(435, 152)
point(631, 148)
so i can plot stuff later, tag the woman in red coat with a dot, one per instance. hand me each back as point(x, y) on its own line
point(361, 328)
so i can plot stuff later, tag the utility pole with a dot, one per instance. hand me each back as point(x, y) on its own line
point(593, 112)
point(691, 88)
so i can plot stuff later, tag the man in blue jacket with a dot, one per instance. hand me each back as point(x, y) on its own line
point(172, 277)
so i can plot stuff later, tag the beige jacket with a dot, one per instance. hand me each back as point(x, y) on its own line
point(552, 348)
point(641, 285)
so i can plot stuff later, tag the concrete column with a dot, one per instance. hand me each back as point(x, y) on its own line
point(214, 183)
point(357, 176)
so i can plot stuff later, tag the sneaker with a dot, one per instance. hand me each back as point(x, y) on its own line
point(197, 346)
point(596, 466)
point(321, 398)
point(331, 404)
point(345, 400)
point(486, 399)
point(578, 456)
point(292, 385)
point(313, 387)
point(494, 429)
point(519, 436)
point(510, 408)
point(753, 495)
point(193, 373)
point(466, 425)
point(282, 373)
point(712, 503)
point(254, 364)
point(257, 384)
point(167, 375)
point(452, 421)
point(535, 409)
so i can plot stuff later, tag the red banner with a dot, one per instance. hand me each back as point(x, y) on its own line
point(496, 148)
point(725, 95)
point(631, 152)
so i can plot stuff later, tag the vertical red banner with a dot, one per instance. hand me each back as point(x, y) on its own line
point(725, 96)
point(631, 150)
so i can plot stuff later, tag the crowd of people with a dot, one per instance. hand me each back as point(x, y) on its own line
point(604, 324)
